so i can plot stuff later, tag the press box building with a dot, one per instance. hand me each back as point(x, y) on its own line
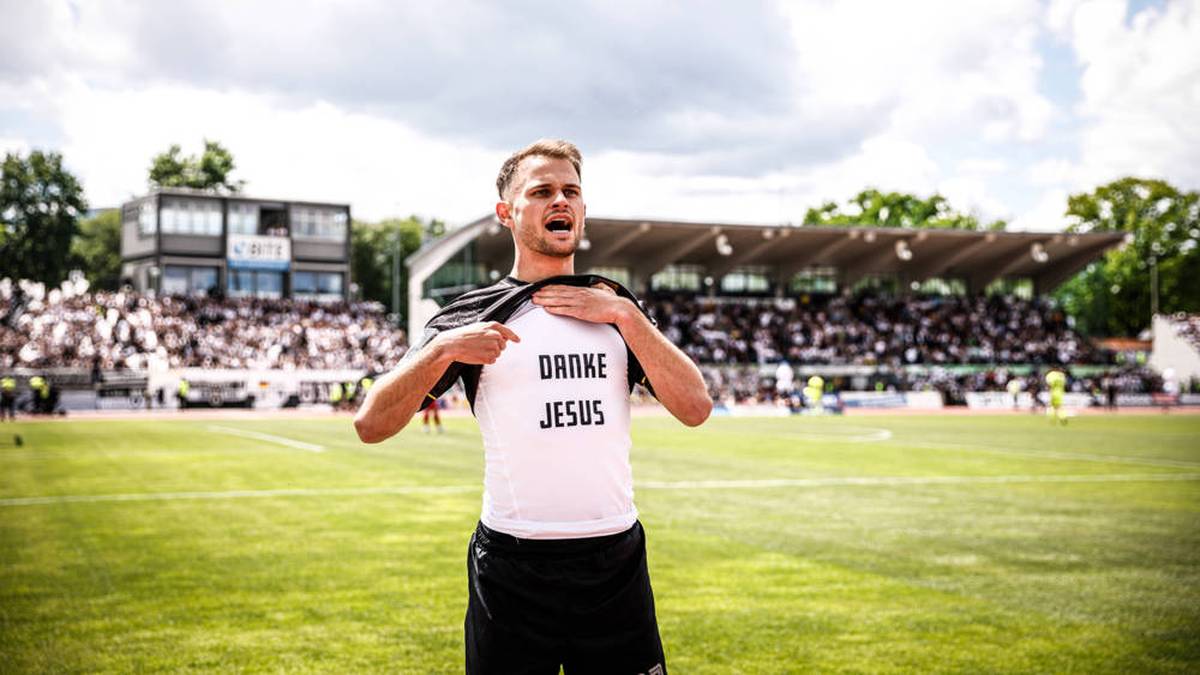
point(183, 241)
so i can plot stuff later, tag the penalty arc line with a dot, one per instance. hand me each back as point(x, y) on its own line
point(269, 438)
point(845, 481)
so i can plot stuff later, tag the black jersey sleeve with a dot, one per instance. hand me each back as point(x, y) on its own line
point(468, 308)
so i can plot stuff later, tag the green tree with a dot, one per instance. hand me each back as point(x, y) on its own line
point(209, 171)
point(40, 203)
point(1113, 296)
point(896, 209)
point(96, 249)
point(372, 247)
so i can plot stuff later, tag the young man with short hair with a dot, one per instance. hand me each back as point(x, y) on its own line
point(557, 566)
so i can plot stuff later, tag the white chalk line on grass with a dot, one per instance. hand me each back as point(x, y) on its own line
point(753, 484)
point(870, 435)
point(269, 438)
point(1053, 454)
point(240, 494)
point(851, 481)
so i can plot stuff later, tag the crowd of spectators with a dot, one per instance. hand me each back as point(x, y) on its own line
point(873, 330)
point(64, 327)
point(1188, 327)
point(913, 338)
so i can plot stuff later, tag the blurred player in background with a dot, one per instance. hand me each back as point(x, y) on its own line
point(1056, 381)
point(785, 383)
point(8, 398)
point(1170, 387)
point(1014, 390)
point(432, 411)
point(814, 392)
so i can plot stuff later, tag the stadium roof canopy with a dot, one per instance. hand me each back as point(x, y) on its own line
point(644, 247)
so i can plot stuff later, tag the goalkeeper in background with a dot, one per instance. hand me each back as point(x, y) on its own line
point(1056, 380)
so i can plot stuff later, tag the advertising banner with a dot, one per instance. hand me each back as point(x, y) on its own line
point(999, 400)
point(252, 251)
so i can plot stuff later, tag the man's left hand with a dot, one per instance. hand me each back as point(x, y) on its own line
point(597, 304)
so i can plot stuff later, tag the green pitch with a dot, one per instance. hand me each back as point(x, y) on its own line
point(888, 544)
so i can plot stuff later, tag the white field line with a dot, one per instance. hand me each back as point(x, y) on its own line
point(240, 494)
point(846, 481)
point(1052, 454)
point(874, 435)
point(851, 481)
point(269, 438)
point(869, 435)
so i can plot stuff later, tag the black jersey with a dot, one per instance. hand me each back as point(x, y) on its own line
point(498, 302)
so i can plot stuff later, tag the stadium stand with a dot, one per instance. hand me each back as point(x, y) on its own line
point(864, 329)
point(947, 344)
point(114, 331)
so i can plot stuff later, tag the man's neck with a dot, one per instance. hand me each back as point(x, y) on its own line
point(536, 268)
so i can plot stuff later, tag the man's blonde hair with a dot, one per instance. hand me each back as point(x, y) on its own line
point(546, 147)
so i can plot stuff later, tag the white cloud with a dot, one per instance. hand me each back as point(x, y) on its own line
point(732, 114)
point(316, 152)
point(983, 165)
point(1141, 92)
point(945, 69)
point(1046, 215)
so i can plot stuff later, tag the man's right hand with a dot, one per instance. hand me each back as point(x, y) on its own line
point(476, 343)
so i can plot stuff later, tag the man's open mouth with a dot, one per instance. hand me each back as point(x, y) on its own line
point(559, 225)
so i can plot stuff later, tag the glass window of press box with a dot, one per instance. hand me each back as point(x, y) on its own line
point(145, 217)
point(314, 284)
point(317, 222)
point(200, 217)
point(255, 283)
point(189, 280)
point(243, 218)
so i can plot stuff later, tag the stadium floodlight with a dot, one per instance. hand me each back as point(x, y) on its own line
point(723, 245)
point(493, 228)
point(903, 252)
point(585, 244)
point(869, 237)
point(1038, 252)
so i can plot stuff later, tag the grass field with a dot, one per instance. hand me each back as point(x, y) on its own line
point(881, 544)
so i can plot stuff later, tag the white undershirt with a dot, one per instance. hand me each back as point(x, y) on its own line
point(554, 412)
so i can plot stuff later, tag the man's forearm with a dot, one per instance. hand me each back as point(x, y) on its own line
point(397, 396)
point(677, 382)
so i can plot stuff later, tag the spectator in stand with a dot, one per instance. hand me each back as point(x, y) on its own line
point(870, 330)
point(108, 331)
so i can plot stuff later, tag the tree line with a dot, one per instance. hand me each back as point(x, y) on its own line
point(44, 233)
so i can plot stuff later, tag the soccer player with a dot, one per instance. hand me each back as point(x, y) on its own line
point(814, 392)
point(1014, 391)
point(8, 397)
point(1056, 380)
point(556, 568)
point(784, 381)
point(431, 410)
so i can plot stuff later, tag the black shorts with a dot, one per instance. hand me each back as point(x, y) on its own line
point(584, 604)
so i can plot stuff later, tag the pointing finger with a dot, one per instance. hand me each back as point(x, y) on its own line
point(506, 332)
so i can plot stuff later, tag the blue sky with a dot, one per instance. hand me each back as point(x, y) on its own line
point(712, 111)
